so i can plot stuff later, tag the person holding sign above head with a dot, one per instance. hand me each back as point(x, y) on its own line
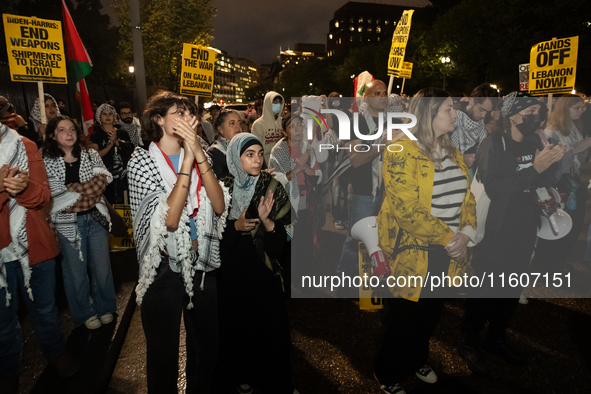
point(511, 168)
point(179, 213)
point(51, 112)
point(424, 226)
point(551, 254)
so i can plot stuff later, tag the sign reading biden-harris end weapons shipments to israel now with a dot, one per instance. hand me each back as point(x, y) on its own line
point(553, 66)
point(399, 40)
point(197, 70)
point(35, 49)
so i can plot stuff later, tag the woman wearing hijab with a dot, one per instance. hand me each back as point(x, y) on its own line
point(115, 148)
point(227, 125)
point(511, 170)
point(179, 210)
point(255, 352)
point(551, 254)
point(425, 223)
point(77, 179)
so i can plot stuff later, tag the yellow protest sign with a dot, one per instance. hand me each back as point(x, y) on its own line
point(35, 49)
point(399, 40)
point(369, 297)
point(553, 66)
point(406, 71)
point(125, 242)
point(197, 70)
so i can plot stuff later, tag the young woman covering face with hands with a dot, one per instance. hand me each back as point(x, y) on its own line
point(179, 209)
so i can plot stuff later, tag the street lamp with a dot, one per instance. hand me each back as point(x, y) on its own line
point(444, 60)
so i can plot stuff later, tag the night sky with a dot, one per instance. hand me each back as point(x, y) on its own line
point(255, 29)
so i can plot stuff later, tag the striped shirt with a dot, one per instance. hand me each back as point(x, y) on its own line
point(449, 190)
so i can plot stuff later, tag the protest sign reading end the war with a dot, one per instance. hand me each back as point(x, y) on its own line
point(197, 70)
point(399, 41)
point(553, 66)
point(35, 49)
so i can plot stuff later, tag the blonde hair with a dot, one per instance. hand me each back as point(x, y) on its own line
point(559, 118)
point(425, 105)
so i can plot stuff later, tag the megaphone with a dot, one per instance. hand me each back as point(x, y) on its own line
point(556, 223)
point(366, 231)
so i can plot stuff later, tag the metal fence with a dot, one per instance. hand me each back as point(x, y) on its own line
point(23, 94)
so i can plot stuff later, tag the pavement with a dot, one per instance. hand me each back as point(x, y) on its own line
point(333, 342)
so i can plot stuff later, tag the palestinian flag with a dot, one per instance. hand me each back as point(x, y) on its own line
point(359, 87)
point(79, 66)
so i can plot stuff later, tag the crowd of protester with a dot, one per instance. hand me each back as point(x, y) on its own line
point(219, 198)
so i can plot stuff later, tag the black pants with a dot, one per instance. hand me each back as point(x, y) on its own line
point(403, 344)
point(506, 251)
point(162, 307)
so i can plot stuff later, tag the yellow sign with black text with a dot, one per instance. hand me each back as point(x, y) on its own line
point(125, 242)
point(197, 70)
point(406, 71)
point(35, 49)
point(399, 40)
point(369, 297)
point(553, 66)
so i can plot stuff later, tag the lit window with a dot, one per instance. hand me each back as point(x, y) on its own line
point(351, 20)
point(378, 38)
point(351, 28)
point(339, 40)
point(336, 24)
point(386, 22)
point(369, 20)
point(350, 39)
point(360, 19)
point(377, 21)
point(369, 29)
point(359, 29)
point(378, 29)
point(330, 36)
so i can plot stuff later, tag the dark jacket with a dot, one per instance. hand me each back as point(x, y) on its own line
point(497, 168)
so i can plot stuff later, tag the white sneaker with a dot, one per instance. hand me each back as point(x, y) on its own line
point(93, 323)
point(245, 389)
point(426, 374)
point(107, 318)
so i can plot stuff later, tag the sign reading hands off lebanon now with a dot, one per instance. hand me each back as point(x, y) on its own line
point(35, 49)
point(553, 66)
point(197, 70)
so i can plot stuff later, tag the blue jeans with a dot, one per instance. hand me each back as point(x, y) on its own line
point(361, 207)
point(43, 312)
point(95, 249)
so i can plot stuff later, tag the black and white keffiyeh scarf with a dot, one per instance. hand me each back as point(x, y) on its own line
point(36, 112)
point(283, 162)
point(148, 199)
point(66, 224)
point(134, 129)
point(13, 153)
point(467, 132)
point(221, 144)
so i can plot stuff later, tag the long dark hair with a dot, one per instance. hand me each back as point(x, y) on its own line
point(50, 145)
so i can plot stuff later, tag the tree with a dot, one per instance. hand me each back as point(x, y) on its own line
point(166, 25)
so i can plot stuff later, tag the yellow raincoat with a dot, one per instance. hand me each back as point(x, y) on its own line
point(408, 180)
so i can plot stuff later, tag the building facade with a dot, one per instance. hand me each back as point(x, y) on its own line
point(357, 23)
point(246, 76)
point(302, 53)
